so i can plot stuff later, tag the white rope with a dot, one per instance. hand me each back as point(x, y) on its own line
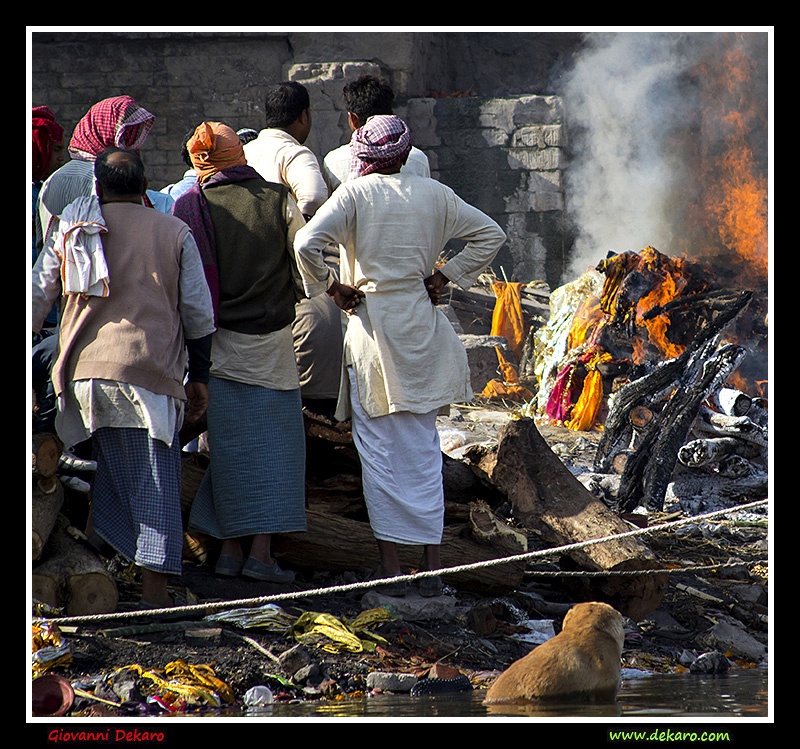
point(206, 607)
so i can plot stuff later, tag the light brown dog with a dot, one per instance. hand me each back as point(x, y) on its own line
point(582, 662)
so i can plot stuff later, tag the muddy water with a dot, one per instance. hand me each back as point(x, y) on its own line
point(737, 694)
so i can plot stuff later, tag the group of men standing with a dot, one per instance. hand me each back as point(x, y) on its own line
point(209, 310)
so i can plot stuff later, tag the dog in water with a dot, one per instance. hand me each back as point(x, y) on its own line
point(582, 662)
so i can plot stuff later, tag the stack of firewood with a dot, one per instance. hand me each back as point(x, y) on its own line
point(67, 573)
point(680, 432)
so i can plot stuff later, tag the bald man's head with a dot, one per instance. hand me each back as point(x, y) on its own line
point(120, 173)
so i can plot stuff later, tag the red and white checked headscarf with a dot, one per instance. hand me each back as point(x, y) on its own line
point(379, 143)
point(117, 121)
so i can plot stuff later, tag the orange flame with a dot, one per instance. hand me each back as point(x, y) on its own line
point(734, 203)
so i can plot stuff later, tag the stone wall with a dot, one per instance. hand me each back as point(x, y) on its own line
point(478, 104)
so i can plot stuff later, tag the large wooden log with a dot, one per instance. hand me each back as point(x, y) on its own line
point(340, 544)
point(46, 501)
point(702, 452)
point(549, 500)
point(713, 490)
point(740, 427)
point(74, 577)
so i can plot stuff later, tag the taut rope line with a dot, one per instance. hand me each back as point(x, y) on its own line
point(207, 607)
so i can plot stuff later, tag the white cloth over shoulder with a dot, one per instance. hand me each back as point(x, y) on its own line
point(79, 245)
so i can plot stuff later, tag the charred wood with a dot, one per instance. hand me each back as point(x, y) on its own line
point(651, 387)
point(741, 427)
point(648, 472)
point(702, 452)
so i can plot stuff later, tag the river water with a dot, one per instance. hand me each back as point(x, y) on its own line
point(741, 693)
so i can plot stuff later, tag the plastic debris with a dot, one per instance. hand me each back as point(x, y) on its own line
point(185, 684)
point(258, 696)
point(334, 635)
point(50, 649)
point(269, 616)
point(539, 631)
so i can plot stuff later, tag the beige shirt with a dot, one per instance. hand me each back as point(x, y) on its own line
point(278, 157)
point(405, 353)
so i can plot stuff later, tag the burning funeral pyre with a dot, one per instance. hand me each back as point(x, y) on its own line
point(653, 352)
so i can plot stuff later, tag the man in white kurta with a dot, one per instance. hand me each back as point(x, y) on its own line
point(403, 357)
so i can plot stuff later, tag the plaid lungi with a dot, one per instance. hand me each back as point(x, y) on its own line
point(136, 497)
point(255, 482)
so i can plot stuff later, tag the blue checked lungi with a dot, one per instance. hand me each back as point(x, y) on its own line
point(136, 497)
point(255, 482)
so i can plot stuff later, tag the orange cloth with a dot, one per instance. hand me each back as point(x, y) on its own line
point(496, 390)
point(585, 410)
point(507, 318)
point(509, 386)
point(616, 269)
point(214, 147)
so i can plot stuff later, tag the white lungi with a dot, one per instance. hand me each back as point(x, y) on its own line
point(401, 459)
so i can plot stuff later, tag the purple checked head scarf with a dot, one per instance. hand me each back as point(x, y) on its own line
point(381, 141)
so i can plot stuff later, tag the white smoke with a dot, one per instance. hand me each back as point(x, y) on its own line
point(625, 96)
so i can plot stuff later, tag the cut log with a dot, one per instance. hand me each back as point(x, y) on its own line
point(46, 501)
point(702, 452)
point(45, 453)
point(340, 544)
point(732, 401)
point(74, 577)
point(640, 417)
point(621, 460)
point(549, 500)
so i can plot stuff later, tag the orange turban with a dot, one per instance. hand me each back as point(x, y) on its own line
point(214, 147)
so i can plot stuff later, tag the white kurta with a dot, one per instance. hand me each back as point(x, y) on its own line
point(405, 353)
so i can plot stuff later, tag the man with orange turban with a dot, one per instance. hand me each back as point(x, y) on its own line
point(255, 483)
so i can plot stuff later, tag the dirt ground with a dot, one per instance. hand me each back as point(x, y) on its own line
point(478, 642)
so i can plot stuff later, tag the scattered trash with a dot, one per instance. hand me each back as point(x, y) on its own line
point(50, 649)
point(334, 635)
point(539, 631)
point(258, 696)
point(186, 684)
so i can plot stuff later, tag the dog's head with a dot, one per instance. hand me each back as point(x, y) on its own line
point(599, 616)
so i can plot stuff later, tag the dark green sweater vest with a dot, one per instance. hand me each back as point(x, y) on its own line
point(256, 291)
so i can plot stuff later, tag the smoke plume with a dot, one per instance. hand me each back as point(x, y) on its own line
point(653, 117)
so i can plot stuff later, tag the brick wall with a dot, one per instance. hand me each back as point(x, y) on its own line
point(499, 147)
